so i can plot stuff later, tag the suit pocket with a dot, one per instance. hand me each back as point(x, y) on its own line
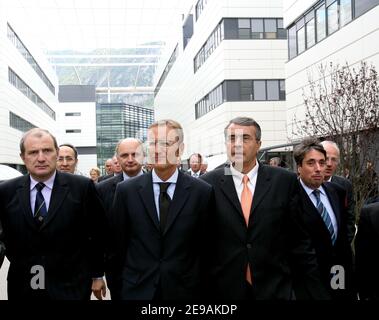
point(131, 276)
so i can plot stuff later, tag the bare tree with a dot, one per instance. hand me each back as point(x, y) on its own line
point(342, 105)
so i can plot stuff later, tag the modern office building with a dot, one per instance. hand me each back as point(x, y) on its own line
point(28, 95)
point(323, 32)
point(77, 114)
point(116, 121)
point(229, 61)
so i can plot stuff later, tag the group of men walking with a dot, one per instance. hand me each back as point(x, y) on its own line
point(241, 231)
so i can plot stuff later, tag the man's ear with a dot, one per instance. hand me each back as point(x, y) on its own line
point(22, 156)
point(180, 150)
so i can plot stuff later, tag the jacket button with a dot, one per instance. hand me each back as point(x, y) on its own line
point(248, 246)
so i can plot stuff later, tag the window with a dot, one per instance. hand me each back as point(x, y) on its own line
point(272, 90)
point(259, 90)
point(332, 13)
point(300, 36)
point(19, 123)
point(345, 12)
point(361, 6)
point(310, 29)
point(292, 43)
point(246, 90)
point(320, 23)
point(72, 114)
point(282, 90)
point(282, 33)
point(257, 28)
point(244, 28)
point(73, 131)
point(270, 28)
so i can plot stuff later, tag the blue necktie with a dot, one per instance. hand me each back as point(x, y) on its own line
point(40, 211)
point(325, 215)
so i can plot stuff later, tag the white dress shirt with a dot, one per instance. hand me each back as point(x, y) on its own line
point(170, 190)
point(126, 177)
point(325, 201)
point(46, 191)
point(238, 183)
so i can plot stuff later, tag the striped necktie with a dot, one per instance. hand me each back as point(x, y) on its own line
point(324, 215)
point(40, 210)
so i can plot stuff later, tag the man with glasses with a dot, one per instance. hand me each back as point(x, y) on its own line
point(157, 220)
point(258, 249)
point(67, 158)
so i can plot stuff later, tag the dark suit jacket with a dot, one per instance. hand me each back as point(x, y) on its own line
point(350, 219)
point(105, 177)
point(148, 259)
point(329, 255)
point(68, 245)
point(367, 252)
point(274, 243)
point(2, 247)
point(107, 189)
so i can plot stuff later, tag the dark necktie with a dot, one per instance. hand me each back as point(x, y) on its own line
point(40, 211)
point(164, 204)
point(324, 215)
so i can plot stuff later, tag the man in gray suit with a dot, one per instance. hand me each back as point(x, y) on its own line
point(332, 161)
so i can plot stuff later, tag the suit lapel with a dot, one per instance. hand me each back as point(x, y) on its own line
point(23, 193)
point(146, 193)
point(58, 194)
point(334, 201)
point(261, 188)
point(181, 194)
point(228, 188)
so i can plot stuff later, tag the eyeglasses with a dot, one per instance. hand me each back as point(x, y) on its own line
point(67, 159)
point(161, 143)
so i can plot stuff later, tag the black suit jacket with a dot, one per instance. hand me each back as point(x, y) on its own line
point(107, 189)
point(148, 260)
point(105, 177)
point(350, 219)
point(367, 252)
point(329, 255)
point(67, 245)
point(274, 243)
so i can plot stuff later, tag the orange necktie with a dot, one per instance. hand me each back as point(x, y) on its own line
point(246, 201)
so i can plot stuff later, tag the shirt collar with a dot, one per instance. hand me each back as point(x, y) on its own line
point(172, 179)
point(239, 175)
point(309, 190)
point(126, 177)
point(48, 183)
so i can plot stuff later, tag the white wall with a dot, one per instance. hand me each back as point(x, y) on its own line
point(353, 43)
point(232, 59)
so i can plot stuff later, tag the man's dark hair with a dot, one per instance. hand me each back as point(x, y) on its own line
point(247, 122)
point(198, 155)
point(72, 147)
point(304, 147)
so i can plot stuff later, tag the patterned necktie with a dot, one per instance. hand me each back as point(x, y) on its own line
point(164, 204)
point(195, 175)
point(324, 215)
point(246, 202)
point(40, 211)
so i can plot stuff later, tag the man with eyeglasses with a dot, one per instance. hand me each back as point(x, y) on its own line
point(322, 207)
point(331, 165)
point(157, 221)
point(257, 247)
point(67, 158)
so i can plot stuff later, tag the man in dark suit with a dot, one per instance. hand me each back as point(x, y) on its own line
point(195, 162)
point(108, 170)
point(332, 161)
point(158, 221)
point(52, 223)
point(130, 155)
point(323, 209)
point(367, 252)
point(257, 248)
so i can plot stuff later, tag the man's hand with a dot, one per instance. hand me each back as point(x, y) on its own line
point(99, 288)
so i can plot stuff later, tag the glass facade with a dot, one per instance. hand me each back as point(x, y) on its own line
point(167, 69)
point(322, 20)
point(200, 7)
point(116, 121)
point(241, 90)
